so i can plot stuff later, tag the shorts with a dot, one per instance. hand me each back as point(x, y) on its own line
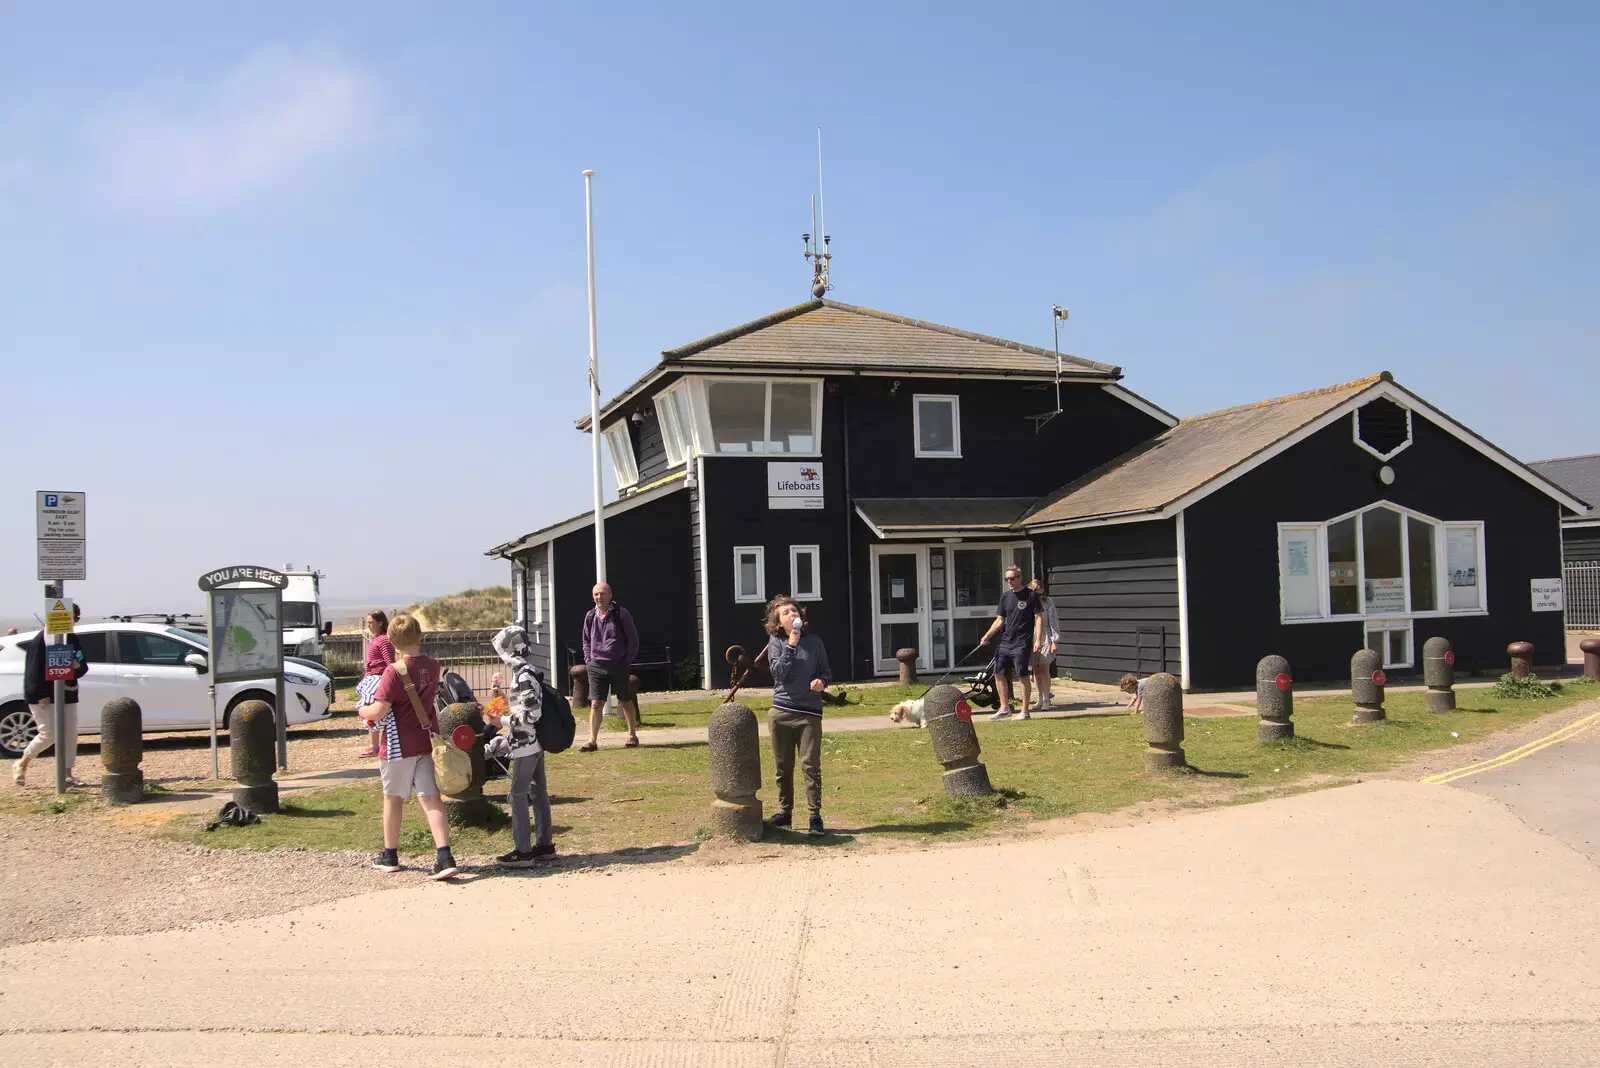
point(606, 679)
point(403, 776)
point(1014, 658)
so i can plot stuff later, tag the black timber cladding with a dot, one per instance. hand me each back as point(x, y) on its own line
point(646, 550)
point(1231, 540)
point(1116, 593)
point(529, 561)
point(1580, 545)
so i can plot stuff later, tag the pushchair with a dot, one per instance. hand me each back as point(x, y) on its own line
point(981, 690)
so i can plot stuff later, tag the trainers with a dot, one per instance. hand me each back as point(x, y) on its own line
point(370, 750)
point(444, 868)
point(19, 773)
point(516, 859)
point(779, 818)
point(1024, 714)
point(544, 852)
point(1004, 713)
point(816, 830)
point(387, 860)
point(73, 780)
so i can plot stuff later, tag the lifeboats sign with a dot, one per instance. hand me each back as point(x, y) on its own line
point(791, 485)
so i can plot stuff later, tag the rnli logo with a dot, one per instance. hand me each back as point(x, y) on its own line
point(809, 474)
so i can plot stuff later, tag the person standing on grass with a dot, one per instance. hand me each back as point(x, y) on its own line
point(1044, 657)
point(800, 672)
point(610, 642)
point(527, 789)
point(1019, 623)
point(402, 709)
point(41, 697)
point(380, 654)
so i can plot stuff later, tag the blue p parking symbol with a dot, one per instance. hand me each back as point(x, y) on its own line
point(52, 501)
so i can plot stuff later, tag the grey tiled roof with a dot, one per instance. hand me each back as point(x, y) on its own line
point(1200, 448)
point(1578, 475)
point(825, 334)
point(904, 515)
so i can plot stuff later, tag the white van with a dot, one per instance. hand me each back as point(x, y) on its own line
point(165, 669)
point(303, 626)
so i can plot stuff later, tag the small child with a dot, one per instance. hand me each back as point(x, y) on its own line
point(527, 788)
point(1131, 683)
point(380, 654)
point(406, 759)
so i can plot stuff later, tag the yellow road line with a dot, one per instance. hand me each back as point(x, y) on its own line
point(1575, 727)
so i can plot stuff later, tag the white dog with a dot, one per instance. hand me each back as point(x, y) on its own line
point(911, 710)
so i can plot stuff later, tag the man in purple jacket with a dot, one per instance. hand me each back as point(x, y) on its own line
point(610, 642)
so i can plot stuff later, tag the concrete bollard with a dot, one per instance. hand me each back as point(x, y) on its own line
point(1521, 654)
point(469, 808)
point(908, 666)
point(1163, 723)
point(1591, 657)
point(948, 719)
point(253, 748)
point(1366, 686)
point(1439, 672)
point(578, 674)
point(735, 750)
point(121, 750)
point(1274, 699)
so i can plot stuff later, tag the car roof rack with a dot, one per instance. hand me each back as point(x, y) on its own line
point(172, 619)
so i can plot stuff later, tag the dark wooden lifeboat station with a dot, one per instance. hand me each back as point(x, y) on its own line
point(885, 472)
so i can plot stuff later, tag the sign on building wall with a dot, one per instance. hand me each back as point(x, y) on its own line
point(1548, 595)
point(794, 485)
point(1386, 596)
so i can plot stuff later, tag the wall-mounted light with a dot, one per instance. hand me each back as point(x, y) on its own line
point(637, 417)
point(894, 388)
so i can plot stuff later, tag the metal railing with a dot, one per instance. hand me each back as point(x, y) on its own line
point(1581, 583)
point(466, 652)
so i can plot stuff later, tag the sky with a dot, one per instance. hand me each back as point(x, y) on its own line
point(306, 282)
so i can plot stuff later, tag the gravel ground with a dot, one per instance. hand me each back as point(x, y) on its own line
point(100, 879)
point(176, 759)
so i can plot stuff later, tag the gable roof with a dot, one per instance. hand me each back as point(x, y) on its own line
point(823, 336)
point(1579, 475)
point(1203, 453)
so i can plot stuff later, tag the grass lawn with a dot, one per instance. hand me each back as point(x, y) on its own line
point(888, 783)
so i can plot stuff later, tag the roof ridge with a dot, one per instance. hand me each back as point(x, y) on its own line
point(1563, 459)
point(1342, 387)
point(970, 335)
point(711, 340)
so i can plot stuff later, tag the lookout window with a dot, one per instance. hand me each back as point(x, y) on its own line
point(1382, 427)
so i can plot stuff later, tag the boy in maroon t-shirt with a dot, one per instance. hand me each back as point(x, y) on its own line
point(406, 756)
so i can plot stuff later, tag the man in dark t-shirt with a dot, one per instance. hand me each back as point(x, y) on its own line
point(1017, 622)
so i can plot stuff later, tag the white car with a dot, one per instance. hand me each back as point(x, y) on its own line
point(165, 669)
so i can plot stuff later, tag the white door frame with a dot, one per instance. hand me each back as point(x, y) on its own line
point(883, 661)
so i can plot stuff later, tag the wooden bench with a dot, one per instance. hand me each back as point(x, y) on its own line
point(652, 657)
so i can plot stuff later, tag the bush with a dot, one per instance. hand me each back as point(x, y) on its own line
point(688, 674)
point(485, 608)
point(1524, 689)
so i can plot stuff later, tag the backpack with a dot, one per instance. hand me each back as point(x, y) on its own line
point(556, 727)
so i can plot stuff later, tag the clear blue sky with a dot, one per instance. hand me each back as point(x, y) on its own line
point(305, 282)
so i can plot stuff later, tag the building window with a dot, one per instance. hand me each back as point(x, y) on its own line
point(1380, 563)
point(1391, 639)
point(936, 425)
point(749, 574)
point(677, 424)
point(621, 446)
point(805, 577)
point(519, 596)
point(1382, 427)
point(538, 597)
point(745, 416)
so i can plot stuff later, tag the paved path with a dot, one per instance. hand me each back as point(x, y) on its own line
point(1383, 923)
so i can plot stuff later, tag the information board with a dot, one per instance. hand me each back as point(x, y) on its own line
point(246, 634)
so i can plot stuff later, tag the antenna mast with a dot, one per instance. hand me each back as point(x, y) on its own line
point(1058, 315)
point(823, 256)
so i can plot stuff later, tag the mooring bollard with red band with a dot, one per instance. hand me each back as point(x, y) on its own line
point(1590, 647)
point(948, 719)
point(1521, 654)
point(1274, 699)
point(1439, 673)
point(1367, 681)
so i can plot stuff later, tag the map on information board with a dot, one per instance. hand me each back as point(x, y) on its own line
point(246, 633)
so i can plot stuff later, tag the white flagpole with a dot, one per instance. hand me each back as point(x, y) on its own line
point(594, 390)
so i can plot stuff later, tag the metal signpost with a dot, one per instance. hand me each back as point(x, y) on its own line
point(244, 624)
point(61, 560)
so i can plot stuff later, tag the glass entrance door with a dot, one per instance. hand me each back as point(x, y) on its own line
point(902, 621)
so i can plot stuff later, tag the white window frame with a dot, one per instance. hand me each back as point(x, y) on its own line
point(519, 595)
point(1442, 527)
point(916, 426)
point(707, 441)
point(676, 435)
point(1355, 432)
point(623, 464)
point(760, 552)
point(538, 597)
point(1387, 625)
point(815, 552)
